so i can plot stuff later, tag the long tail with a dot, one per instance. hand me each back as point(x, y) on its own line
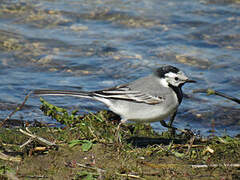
point(81, 94)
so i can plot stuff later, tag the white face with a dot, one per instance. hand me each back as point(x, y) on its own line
point(175, 79)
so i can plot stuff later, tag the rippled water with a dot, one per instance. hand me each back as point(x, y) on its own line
point(97, 44)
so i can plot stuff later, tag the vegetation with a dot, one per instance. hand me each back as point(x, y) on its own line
point(86, 147)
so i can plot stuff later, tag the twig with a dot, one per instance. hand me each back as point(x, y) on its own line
point(35, 137)
point(9, 158)
point(211, 91)
point(16, 110)
point(215, 165)
point(27, 142)
point(187, 145)
point(92, 168)
point(161, 166)
point(190, 144)
point(102, 171)
point(34, 176)
point(130, 175)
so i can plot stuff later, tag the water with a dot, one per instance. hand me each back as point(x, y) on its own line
point(91, 45)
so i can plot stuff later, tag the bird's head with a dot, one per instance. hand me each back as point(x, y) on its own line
point(172, 76)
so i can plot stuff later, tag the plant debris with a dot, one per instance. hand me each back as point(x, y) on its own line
point(88, 148)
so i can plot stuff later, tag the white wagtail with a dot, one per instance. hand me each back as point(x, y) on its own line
point(148, 99)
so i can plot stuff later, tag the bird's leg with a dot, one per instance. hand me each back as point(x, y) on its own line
point(164, 124)
point(118, 133)
point(172, 118)
point(169, 125)
point(118, 130)
point(172, 130)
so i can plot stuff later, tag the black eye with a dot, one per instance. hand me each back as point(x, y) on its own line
point(176, 78)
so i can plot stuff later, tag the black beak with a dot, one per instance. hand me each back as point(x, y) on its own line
point(190, 81)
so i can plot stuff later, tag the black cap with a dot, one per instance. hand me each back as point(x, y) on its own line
point(161, 71)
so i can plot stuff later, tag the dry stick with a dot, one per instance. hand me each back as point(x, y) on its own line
point(161, 166)
point(27, 142)
point(129, 175)
point(215, 165)
point(102, 171)
point(33, 176)
point(211, 91)
point(2, 155)
point(9, 158)
point(16, 110)
point(190, 144)
point(187, 145)
point(39, 139)
point(92, 168)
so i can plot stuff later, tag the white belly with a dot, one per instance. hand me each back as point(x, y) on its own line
point(141, 112)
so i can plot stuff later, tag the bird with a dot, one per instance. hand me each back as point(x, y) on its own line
point(152, 98)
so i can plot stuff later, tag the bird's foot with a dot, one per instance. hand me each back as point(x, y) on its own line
point(172, 131)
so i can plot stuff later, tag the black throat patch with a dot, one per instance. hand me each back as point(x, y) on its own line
point(178, 91)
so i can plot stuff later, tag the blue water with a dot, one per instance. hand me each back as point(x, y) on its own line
point(91, 45)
